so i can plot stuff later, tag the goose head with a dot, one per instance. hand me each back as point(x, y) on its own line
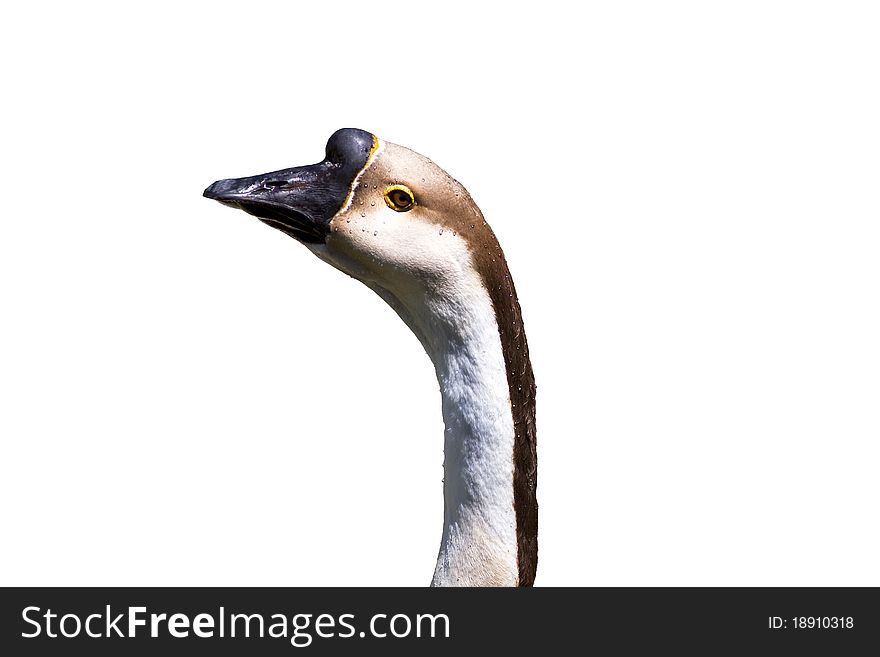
point(400, 224)
point(380, 212)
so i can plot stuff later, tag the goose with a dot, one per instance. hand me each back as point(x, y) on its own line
point(401, 225)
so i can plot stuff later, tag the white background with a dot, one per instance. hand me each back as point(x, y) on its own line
point(688, 199)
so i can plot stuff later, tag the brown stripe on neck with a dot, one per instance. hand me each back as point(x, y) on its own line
point(490, 262)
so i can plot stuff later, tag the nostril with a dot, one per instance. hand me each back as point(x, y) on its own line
point(275, 183)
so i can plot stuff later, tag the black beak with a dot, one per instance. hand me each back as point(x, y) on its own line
point(298, 201)
point(301, 201)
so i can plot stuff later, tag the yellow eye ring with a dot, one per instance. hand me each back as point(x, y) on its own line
point(399, 198)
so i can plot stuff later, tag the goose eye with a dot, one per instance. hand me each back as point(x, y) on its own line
point(399, 198)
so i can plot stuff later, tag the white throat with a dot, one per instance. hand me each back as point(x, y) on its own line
point(455, 321)
point(479, 545)
point(457, 327)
